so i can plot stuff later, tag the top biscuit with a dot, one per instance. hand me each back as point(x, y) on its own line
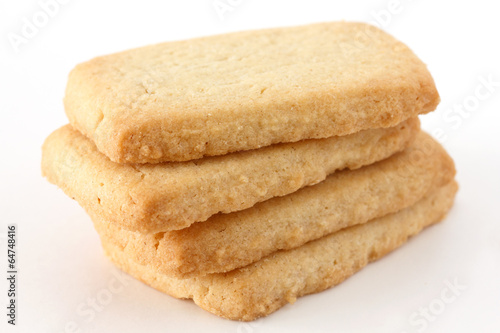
point(183, 100)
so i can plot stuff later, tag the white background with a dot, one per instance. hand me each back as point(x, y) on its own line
point(60, 261)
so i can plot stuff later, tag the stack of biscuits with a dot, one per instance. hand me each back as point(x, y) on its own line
point(248, 169)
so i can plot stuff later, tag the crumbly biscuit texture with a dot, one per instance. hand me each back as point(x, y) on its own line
point(183, 100)
point(227, 241)
point(170, 196)
point(263, 287)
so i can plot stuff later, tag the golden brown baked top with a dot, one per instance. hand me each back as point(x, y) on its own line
point(183, 100)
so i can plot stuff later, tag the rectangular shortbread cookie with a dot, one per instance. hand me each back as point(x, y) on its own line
point(183, 100)
point(227, 241)
point(263, 287)
point(170, 196)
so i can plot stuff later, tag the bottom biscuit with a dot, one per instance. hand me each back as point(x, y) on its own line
point(261, 288)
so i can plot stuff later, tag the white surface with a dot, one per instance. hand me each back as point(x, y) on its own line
point(60, 260)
